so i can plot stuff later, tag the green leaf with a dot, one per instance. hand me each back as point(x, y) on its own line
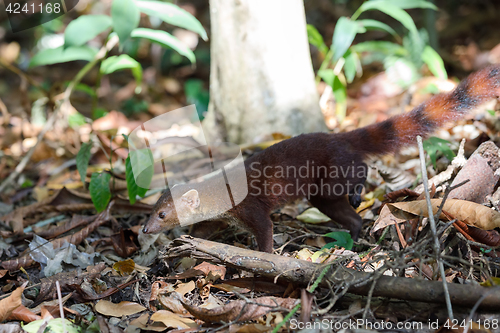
point(124, 61)
point(316, 39)
point(434, 62)
point(99, 113)
point(60, 54)
point(142, 163)
point(164, 39)
point(76, 120)
point(433, 145)
point(38, 111)
point(431, 88)
point(352, 65)
point(172, 14)
point(392, 10)
point(99, 190)
point(408, 4)
point(401, 71)
point(126, 16)
point(339, 91)
point(327, 75)
point(56, 325)
point(27, 183)
point(342, 239)
point(387, 48)
point(85, 28)
point(313, 216)
point(86, 89)
point(398, 4)
point(197, 94)
point(377, 25)
point(343, 36)
point(82, 160)
point(133, 189)
point(415, 46)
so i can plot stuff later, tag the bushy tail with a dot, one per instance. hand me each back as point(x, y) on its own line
point(390, 135)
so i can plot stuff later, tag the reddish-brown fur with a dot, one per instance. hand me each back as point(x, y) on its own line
point(334, 151)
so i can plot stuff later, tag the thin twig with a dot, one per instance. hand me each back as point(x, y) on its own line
point(61, 309)
point(48, 125)
point(3, 109)
point(436, 246)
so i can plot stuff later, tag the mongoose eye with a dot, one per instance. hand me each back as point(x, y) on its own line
point(162, 215)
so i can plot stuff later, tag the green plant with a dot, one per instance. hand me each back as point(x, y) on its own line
point(123, 23)
point(99, 187)
point(342, 60)
point(433, 145)
point(342, 239)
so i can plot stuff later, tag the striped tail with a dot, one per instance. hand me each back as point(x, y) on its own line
point(392, 134)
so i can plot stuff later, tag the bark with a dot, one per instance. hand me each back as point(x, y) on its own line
point(262, 79)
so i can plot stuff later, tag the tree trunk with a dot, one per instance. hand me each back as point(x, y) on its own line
point(261, 73)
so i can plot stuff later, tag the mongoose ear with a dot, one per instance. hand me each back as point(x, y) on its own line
point(191, 199)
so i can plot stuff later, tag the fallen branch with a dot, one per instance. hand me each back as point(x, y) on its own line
point(301, 272)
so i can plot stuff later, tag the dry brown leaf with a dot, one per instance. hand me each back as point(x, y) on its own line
point(75, 222)
point(124, 267)
point(185, 288)
point(55, 311)
point(159, 288)
point(142, 323)
point(15, 219)
point(9, 304)
point(75, 238)
point(211, 303)
point(66, 281)
point(173, 320)
point(52, 302)
point(229, 288)
point(123, 308)
point(249, 328)
point(11, 328)
point(15, 264)
point(318, 242)
point(488, 237)
point(190, 273)
point(9, 52)
point(217, 271)
point(24, 314)
point(172, 302)
point(385, 219)
point(481, 180)
point(257, 284)
point(124, 243)
point(46, 314)
point(240, 310)
point(468, 212)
